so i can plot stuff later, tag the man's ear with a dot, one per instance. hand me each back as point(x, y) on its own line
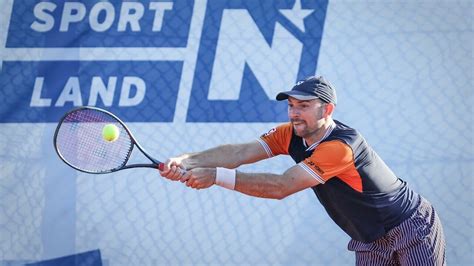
point(329, 109)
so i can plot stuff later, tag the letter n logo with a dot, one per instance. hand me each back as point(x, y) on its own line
point(249, 51)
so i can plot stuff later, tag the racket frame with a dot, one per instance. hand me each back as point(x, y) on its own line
point(154, 162)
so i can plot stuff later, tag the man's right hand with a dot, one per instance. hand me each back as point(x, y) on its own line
point(174, 169)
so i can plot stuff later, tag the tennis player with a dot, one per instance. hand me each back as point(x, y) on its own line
point(388, 222)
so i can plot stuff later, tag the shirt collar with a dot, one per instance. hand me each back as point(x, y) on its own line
point(326, 134)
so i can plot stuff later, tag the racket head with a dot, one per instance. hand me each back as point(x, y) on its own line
point(79, 143)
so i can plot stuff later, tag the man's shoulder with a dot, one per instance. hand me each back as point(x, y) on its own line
point(345, 133)
point(342, 128)
point(284, 128)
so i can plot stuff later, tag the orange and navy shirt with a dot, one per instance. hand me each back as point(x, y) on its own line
point(357, 189)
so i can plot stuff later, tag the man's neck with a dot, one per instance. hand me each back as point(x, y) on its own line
point(321, 133)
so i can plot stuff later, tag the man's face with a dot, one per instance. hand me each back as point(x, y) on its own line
point(306, 116)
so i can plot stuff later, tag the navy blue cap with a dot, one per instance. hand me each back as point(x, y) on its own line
point(310, 89)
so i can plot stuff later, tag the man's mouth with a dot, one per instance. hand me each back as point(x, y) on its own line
point(297, 123)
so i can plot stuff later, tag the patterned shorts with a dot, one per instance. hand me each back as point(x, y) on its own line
point(419, 240)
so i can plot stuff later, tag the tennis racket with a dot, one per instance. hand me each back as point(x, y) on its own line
point(79, 142)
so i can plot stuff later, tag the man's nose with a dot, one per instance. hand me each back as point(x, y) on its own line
point(293, 113)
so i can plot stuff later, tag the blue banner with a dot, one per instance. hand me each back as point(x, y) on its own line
point(113, 23)
point(127, 56)
point(46, 90)
point(273, 45)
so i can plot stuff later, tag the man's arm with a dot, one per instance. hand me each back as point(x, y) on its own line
point(262, 185)
point(228, 156)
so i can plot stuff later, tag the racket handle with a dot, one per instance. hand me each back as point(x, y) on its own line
point(161, 166)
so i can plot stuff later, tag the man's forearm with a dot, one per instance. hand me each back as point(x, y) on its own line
point(262, 185)
point(222, 156)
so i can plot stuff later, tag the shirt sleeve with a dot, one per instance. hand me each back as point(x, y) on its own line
point(276, 140)
point(329, 159)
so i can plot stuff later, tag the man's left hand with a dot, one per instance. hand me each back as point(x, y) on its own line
point(201, 178)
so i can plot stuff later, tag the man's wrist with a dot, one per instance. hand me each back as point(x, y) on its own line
point(225, 177)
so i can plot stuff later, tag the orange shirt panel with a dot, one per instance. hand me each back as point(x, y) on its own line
point(278, 139)
point(335, 158)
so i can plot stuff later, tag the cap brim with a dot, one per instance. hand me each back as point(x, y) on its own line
point(295, 94)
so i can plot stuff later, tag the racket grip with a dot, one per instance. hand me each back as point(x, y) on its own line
point(161, 166)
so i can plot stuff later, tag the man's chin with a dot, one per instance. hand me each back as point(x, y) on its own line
point(299, 133)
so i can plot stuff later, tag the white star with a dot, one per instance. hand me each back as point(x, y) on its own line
point(297, 15)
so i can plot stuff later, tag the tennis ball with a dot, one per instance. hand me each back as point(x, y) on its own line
point(110, 132)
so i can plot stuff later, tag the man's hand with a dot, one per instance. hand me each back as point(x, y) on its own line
point(199, 178)
point(175, 169)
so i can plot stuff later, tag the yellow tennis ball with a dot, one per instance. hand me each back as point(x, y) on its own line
point(110, 132)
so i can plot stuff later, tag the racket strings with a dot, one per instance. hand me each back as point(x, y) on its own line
point(80, 142)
